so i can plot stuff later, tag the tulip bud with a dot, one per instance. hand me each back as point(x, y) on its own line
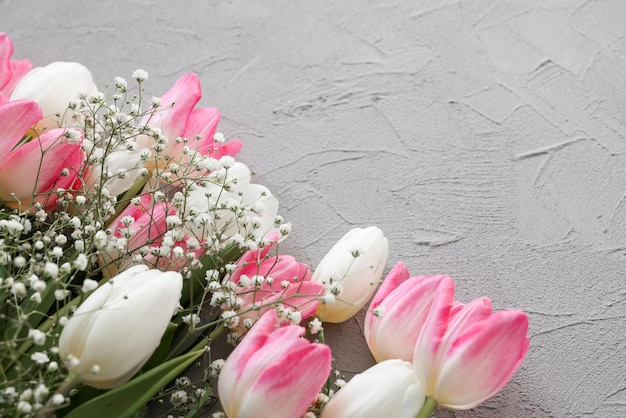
point(350, 272)
point(53, 87)
point(116, 329)
point(273, 372)
point(400, 309)
point(465, 354)
point(388, 389)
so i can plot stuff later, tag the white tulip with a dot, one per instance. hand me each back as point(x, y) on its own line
point(389, 389)
point(350, 272)
point(53, 87)
point(118, 327)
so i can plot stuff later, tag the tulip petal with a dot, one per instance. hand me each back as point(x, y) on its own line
point(184, 95)
point(53, 87)
point(230, 148)
point(398, 274)
point(10, 71)
point(406, 311)
point(388, 389)
point(52, 155)
point(430, 339)
point(483, 359)
point(15, 118)
point(202, 123)
point(282, 390)
point(263, 346)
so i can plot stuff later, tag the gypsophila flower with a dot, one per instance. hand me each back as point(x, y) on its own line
point(231, 319)
point(183, 381)
point(57, 252)
point(120, 83)
point(61, 294)
point(19, 261)
point(18, 289)
point(38, 337)
point(340, 383)
point(179, 398)
point(41, 392)
point(57, 398)
point(140, 75)
point(379, 311)
point(81, 262)
point(39, 357)
point(24, 407)
point(191, 319)
point(216, 367)
point(89, 285)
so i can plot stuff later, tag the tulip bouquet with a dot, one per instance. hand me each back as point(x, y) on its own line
point(132, 240)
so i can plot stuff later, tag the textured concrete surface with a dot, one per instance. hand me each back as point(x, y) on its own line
point(486, 138)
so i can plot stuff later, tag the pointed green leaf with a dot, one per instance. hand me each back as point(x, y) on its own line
point(126, 400)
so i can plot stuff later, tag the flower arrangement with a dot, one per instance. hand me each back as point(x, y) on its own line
point(132, 240)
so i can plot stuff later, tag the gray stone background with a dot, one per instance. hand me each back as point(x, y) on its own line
point(486, 138)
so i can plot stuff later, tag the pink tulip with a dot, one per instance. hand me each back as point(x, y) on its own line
point(283, 280)
point(148, 222)
point(34, 171)
point(10, 71)
point(147, 227)
point(273, 373)
point(183, 121)
point(399, 310)
point(466, 353)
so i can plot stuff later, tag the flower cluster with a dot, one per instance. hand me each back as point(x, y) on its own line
point(132, 239)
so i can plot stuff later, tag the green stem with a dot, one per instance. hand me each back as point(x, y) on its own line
point(428, 408)
point(68, 384)
point(210, 338)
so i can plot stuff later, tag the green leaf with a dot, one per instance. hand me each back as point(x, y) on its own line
point(193, 289)
point(126, 400)
point(196, 410)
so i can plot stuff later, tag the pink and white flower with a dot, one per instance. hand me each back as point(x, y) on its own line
point(56, 156)
point(466, 353)
point(399, 310)
point(273, 372)
point(184, 126)
point(264, 282)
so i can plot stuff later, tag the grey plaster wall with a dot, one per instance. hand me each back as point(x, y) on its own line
point(486, 138)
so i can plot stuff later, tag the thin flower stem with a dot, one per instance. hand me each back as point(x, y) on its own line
point(428, 408)
point(68, 384)
point(206, 341)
